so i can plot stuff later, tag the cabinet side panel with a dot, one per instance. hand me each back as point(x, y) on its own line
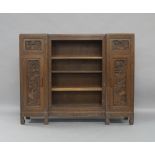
point(120, 63)
point(33, 74)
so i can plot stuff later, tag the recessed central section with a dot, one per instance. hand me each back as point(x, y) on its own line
point(77, 75)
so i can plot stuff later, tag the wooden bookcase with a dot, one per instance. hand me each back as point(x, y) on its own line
point(77, 76)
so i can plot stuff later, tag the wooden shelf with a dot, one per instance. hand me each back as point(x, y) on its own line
point(85, 106)
point(77, 110)
point(76, 71)
point(77, 89)
point(82, 57)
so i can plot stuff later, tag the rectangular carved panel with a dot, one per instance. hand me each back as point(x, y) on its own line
point(33, 44)
point(33, 82)
point(118, 44)
point(120, 83)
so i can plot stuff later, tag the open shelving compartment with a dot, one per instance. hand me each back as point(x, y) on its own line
point(77, 86)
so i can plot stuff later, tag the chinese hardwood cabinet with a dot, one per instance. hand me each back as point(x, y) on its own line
point(77, 76)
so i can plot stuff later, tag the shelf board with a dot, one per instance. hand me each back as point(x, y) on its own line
point(78, 110)
point(77, 89)
point(76, 71)
point(81, 106)
point(76, 57)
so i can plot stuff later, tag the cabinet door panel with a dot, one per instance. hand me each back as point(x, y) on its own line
point(120, 84)
point(33, 87)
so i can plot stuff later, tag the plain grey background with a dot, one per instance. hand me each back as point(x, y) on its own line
point(143, 25)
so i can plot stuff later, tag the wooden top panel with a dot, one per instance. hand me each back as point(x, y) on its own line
point(76, 36)
point(67, 36)
point(80, 36)
point(120, 35)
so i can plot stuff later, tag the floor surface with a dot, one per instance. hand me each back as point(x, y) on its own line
point(71, 130)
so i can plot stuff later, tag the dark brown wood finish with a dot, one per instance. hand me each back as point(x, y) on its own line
point(77, 76)
point(120, 63)
point(33, 76)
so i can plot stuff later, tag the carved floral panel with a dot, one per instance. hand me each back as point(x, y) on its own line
point(120, 44)
point(33, 45)
point(120, 82)
point(33, 82)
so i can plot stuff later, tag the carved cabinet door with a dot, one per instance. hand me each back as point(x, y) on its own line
point(33, 94)
point(120, 72)
point(33, 72)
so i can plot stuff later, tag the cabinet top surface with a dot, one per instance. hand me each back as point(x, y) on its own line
point(76, 36)
point(80, 34)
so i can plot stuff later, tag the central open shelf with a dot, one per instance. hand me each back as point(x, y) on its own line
point(55, 71)
point(77, 76)
point(77, 98)
point(77, 89)
point(76, 48)
point(76, 80)
point(65, 57)
point(76, 65)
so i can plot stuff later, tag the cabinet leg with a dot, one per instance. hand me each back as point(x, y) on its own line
point(131, 120)
point(22, 120)
point(46, 120)
point(107, 121)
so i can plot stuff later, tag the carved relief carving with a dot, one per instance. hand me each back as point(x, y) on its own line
point(120, 44)
point(33, 83)
point(120, 75)
point(33, 45)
